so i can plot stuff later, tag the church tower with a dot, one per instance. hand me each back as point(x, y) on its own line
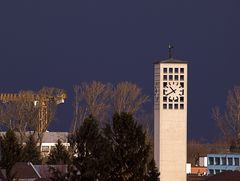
point(170, 118)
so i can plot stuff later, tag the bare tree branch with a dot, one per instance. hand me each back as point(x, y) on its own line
point(127, 97)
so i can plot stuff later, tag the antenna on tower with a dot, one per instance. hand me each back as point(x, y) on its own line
point(170, 47)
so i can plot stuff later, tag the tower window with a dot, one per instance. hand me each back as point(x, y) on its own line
point(175, 106)
point(176, 77)
point(164, 99)
point(170, 70)
point(181, 77)
point(182, 84)
point(170, 77)
point(164, 77)
point(164, 106)
point(164, 70)
point(176, 70)
point(170, 106)
point(181, 99)
point(181, 106)
point(182, 70)
point(164, 84)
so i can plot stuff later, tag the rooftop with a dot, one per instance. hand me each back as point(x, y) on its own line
point(171, 60)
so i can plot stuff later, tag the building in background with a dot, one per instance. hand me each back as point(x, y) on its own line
point(51, 138)
point(170, 118)
point(223, 162)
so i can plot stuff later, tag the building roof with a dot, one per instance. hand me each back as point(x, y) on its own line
point(24, 170)
point(171, 60)
point(49, 137)
point(44, 171)
point(199, 170)
point(53, 137)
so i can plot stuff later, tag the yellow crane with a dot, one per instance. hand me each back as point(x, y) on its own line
point(39, 100)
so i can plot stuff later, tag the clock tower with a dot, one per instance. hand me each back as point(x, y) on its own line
point(170, 119)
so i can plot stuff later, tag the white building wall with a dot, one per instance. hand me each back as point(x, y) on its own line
point(170, 137)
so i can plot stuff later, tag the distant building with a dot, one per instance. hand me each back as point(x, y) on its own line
point(222, 162)
point(202, 161)
point(50, 139)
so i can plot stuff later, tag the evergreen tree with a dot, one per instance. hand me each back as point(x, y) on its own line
point(152, 173)
point(11, 151)
point(130, 150)
point(59, 155)
point(31, 151)
point(90, 150)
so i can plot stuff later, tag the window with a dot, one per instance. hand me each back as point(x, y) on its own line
point(211, 161)
point(224, 161)
point(176, 70)
point(170, 77)
point(230, 161)
point(164, 106)
point(175, 106)
point(182, 84)
point(217, 171)
point(182, 70)
point(181, 77)
point(217, 160)
point(164, 70)
point(176, 77)
point(164, 77)
point(181, 99)
point(181, 106)
point(45, 148)
point(211, 171)
point(164, 84)
point(170, 70)
point(164, 99)
point(236, 161)
point(170, 106)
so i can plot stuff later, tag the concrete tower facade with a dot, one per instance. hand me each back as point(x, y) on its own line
point(170, 119)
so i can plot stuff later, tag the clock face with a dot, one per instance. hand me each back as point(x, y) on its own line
point(173, 90)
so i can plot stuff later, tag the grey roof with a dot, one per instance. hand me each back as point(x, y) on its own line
point(24, 170)
point(52, 137)
point(171, 60)
point(44, 171)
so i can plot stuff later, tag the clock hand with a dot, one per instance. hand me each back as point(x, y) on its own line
point(169, 93)
point(173, 89)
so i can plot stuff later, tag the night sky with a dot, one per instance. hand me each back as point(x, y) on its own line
point(62, 43)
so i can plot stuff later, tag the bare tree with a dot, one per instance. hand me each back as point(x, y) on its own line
point(30, 111)
point(19, 115)
point(229, 121)
point(101, 100)
point(93, 98)
point(127, 97)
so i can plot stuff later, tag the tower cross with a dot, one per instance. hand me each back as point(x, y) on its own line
point(170, 47)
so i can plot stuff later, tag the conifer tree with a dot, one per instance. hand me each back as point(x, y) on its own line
point(152, 173)
point(89, 150)
point(59, 155)
point(130, 150)
point(11, 151)
point(31, 151)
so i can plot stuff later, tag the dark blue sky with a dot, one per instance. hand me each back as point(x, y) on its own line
point(62, 43)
